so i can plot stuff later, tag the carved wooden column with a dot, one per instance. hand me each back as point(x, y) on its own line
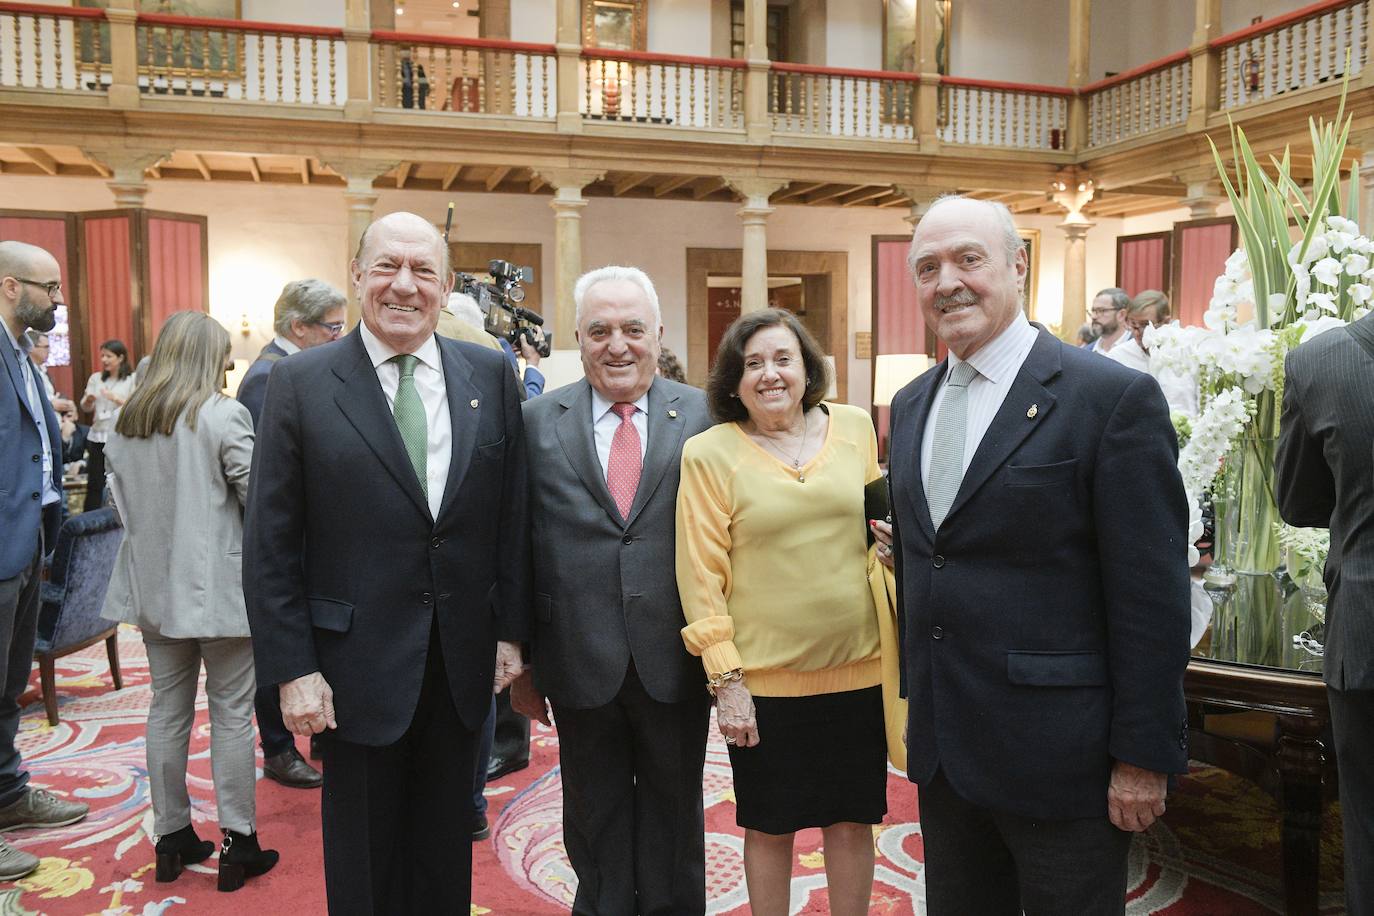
point(928, 89)
point(126, 168)
point(358, 60)
point(123, 92)
point(568, 204)
point(754, 215)
point(1073, 195)
point(1205, 97)
point(1080, 46)
point(568, 46)
point(758, 122)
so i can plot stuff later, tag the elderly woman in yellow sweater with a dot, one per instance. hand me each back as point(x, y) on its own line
point(773, 570)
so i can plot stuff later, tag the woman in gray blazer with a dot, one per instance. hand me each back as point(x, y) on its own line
point(178, 470)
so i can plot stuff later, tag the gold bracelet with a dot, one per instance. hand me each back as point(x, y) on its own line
point(720, 680)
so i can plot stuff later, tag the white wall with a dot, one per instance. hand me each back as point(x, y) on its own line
point(329, 13)
point(261, 236)
point(1026, 41)
point(532, 20)
point(853, 35)
point(680, 27)
point(1127, 33)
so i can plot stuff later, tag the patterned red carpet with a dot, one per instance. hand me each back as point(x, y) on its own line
point(1215, 853)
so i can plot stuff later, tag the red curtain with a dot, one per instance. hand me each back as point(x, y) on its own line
point(1203, 251)
point(1142, 265)
point(50, 234)
point(175, 279)
point(109, 311)
point(900, 328)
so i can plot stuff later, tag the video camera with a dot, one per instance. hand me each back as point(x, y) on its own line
point(500, 303)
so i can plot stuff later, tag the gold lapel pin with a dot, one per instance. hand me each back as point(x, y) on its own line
point(1034, 409)
point(473, 402)
point(672, 415)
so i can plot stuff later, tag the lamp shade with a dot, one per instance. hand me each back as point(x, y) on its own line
point(894, 371)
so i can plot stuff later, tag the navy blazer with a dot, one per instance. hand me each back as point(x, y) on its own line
point(253, 386)
point(1045, 626)
point(21, 469)
point(345, 572)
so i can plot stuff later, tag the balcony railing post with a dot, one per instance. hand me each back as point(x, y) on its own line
point(123, 17)
point(568, 45)
point(758, 124)
point(927, 114)
point(358, 61)
point(1080, 43)
point(1204, 100)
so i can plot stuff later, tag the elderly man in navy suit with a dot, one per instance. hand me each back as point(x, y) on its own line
point(30, 513)
point(1045, 620)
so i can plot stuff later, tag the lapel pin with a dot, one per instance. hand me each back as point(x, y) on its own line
point(1034, 409)
point(672, 415)
point(473, 402)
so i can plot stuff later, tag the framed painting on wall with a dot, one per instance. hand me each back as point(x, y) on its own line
point(900, 53)
point(617, 25)
point(161, 48)
point(1032, 239)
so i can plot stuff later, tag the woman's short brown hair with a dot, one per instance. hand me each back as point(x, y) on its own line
point(722, 389)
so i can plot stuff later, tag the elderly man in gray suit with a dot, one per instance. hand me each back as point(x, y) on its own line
point(631, 707)
point(1325, 453)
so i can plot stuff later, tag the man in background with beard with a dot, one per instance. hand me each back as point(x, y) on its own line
point(30, 513)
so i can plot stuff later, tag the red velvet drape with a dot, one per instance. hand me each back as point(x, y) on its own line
point(50, 234)
point(176, 281)
point(109, 309)
point(1203, 251)
point(899, 325)
point(1142, 265)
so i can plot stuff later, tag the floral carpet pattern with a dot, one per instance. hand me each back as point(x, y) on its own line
point(1215, 853)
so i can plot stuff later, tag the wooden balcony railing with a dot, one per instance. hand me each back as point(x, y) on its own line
point(671, 90)
point(1140, 101)
point(1299, 49)
point(240, 60)
point(465, 75)
point(828, 102)
point(45, 47)
point(985, 113)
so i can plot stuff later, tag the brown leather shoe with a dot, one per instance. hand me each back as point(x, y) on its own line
point(290, 769)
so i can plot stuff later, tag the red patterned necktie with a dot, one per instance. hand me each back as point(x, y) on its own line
point(622, 471)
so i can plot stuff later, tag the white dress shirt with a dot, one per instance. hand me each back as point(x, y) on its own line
point(28, 371)
point(605, 421)
point(286, 345)
point(997, 362)
point(1128, 353)
point(429, 384)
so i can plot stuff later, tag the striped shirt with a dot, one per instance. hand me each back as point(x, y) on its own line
point(997, 362)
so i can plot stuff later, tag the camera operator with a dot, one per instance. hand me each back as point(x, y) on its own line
point(533, 379)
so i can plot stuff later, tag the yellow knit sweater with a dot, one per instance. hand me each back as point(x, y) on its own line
point(772, 571)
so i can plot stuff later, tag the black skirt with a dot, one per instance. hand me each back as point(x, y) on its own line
point(820, 760)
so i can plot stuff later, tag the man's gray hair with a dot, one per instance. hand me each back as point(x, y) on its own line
point(305, 301)
point(466, 310)
point(603, 274)
point(1120, 298)
point(1011, 238)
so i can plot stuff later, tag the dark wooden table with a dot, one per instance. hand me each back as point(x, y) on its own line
point(1231, 671)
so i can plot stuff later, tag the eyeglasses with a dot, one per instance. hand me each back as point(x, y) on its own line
point(1102, 310)
point(54, 287)
point(335, 328)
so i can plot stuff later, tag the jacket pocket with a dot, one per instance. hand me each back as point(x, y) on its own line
point(1057, 669)
point(328, 614)
point(1039, 475)
point(543, 608)
point(491, 449)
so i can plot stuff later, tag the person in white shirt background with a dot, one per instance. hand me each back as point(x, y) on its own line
point(106, 392)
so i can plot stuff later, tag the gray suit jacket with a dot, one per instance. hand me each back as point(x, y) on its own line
point(1325, 470)
point(181, 499)
point(605, 588)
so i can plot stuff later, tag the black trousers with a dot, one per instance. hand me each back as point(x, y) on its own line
point(632, 808)
point(272, 731)
point(1352, 725)
point(19, 606)
point(95, 476)
point(398, 819)
point(986, 863)
point(511, 740)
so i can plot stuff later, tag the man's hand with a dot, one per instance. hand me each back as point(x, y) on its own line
point(528, 351)
point(61, 405)
point(882, 533)
point(735, 714)
point(508, 665)
point(1135, 797)
point(307, 705)
point(526, 699)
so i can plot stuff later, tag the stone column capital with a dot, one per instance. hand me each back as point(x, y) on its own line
point(1076, 230)
point(568, 183)
point(126, 163)
point(568, 207)
point(921, 197)
point(756, 190)
point(1073, 193)
point(358, 174)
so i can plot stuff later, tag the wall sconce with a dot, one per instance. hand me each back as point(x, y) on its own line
point(245, 326)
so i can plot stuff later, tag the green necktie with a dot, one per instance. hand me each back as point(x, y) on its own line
point(409, 412)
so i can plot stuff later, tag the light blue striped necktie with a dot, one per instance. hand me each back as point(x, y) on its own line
point(947, 444)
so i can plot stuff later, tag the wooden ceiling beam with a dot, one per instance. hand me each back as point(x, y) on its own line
point(630, 182)
point(796, 190)
point(708, 187)
point(537, 182)
point(402, 173)
point(451, 176)
point(254, 169)
point(865, 196)
point(41, 158)
point(838, 191)
point(672, 184)
point(305, 170)
point(497, 176)
point(204, 169)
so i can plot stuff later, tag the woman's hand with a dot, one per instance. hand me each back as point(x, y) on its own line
point(88, 403)
point(882, 533)
point(735, 715)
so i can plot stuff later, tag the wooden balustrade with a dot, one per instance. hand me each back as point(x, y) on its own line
point(825, 101)
point(645, 88)
point(476, 76)
point(1303, 48)
point(240, 60)
point(45, 47)
point(1140, 101)
point(984, 113)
